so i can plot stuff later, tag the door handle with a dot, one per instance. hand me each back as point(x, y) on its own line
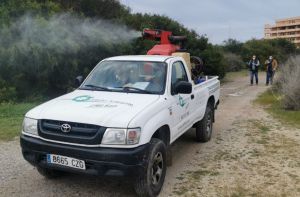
point(192, 96)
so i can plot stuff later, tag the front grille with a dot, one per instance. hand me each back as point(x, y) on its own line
point(80, 133)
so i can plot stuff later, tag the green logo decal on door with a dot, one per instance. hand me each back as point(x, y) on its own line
point(181, 101)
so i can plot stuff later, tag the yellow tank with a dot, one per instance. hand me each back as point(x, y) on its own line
point(186, 57)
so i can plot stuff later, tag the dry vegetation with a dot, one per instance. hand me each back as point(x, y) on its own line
point(288, 83)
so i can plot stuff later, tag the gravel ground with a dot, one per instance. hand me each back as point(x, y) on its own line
point(239, 160)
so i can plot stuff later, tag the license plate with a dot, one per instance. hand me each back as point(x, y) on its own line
point(65, 161)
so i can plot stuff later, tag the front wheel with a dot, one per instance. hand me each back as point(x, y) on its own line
point(205, 126)
point(150, 182)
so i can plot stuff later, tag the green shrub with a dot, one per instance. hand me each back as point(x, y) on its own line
point(7, 93)
point(213, 61)
point(233, 62)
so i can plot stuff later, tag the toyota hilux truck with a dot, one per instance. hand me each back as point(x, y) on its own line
point(121, 120)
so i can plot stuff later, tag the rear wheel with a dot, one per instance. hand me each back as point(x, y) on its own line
point(49, 173)
point(150, 182)
point(205, 126)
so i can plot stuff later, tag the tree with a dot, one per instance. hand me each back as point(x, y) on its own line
point(281, 49)
point(233, 46)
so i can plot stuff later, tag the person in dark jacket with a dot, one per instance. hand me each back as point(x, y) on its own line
point(271, 66)
point(253, 68)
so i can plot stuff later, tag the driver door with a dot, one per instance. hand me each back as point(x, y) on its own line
point(181, 103)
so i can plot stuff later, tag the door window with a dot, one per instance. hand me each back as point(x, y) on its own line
point(178, 74)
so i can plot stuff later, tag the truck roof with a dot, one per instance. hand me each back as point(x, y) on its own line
point(151, 58)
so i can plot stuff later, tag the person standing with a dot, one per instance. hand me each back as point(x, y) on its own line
point(271, 66)
point(253, 68)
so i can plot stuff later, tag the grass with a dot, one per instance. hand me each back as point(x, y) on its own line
point(11, 117)
point(200, 173)
point(191, 177)
point(230, 76)
point(262, 127)
point(225, 155)
point(271, 102)
point(180, 191)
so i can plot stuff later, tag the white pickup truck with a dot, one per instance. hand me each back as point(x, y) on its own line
point(121, 120)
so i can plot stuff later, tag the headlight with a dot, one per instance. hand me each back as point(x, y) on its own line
point(121, 136)
point(114, 136)
point(30, 126)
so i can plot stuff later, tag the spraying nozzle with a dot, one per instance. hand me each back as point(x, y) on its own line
point(165, 37)
point(168, 42)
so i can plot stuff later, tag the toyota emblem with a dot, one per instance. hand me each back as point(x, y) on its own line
point(66, 128)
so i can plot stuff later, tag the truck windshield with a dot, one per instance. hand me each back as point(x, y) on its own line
point(127, 76)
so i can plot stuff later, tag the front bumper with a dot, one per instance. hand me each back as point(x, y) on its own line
point(99, 161)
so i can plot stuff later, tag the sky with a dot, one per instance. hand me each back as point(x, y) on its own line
point(221, 19)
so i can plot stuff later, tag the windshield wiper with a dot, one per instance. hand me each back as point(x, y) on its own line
point(127, 88)
point(95, 87)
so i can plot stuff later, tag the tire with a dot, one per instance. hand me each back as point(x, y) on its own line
point(49, 173)
point(151, 180)
point(204, 127)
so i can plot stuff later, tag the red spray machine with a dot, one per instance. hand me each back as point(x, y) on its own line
point(171, 45)
point(168, 45)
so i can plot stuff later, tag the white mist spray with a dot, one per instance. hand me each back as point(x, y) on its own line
point(64, 33)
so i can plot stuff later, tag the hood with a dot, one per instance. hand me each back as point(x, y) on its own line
point(109, 109)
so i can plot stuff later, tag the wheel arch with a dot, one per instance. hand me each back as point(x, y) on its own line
point(163, 133)
point(211, 101)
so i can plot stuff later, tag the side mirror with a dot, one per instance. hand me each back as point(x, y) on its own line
point(183, 87)
point(78, 81)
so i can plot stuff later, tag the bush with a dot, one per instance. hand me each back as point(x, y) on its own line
point(7, 93)
point(213, 61)
point(233, 62)
point(233, 46)
point(288, 83)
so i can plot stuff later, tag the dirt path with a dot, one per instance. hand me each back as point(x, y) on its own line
point(250, 154)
